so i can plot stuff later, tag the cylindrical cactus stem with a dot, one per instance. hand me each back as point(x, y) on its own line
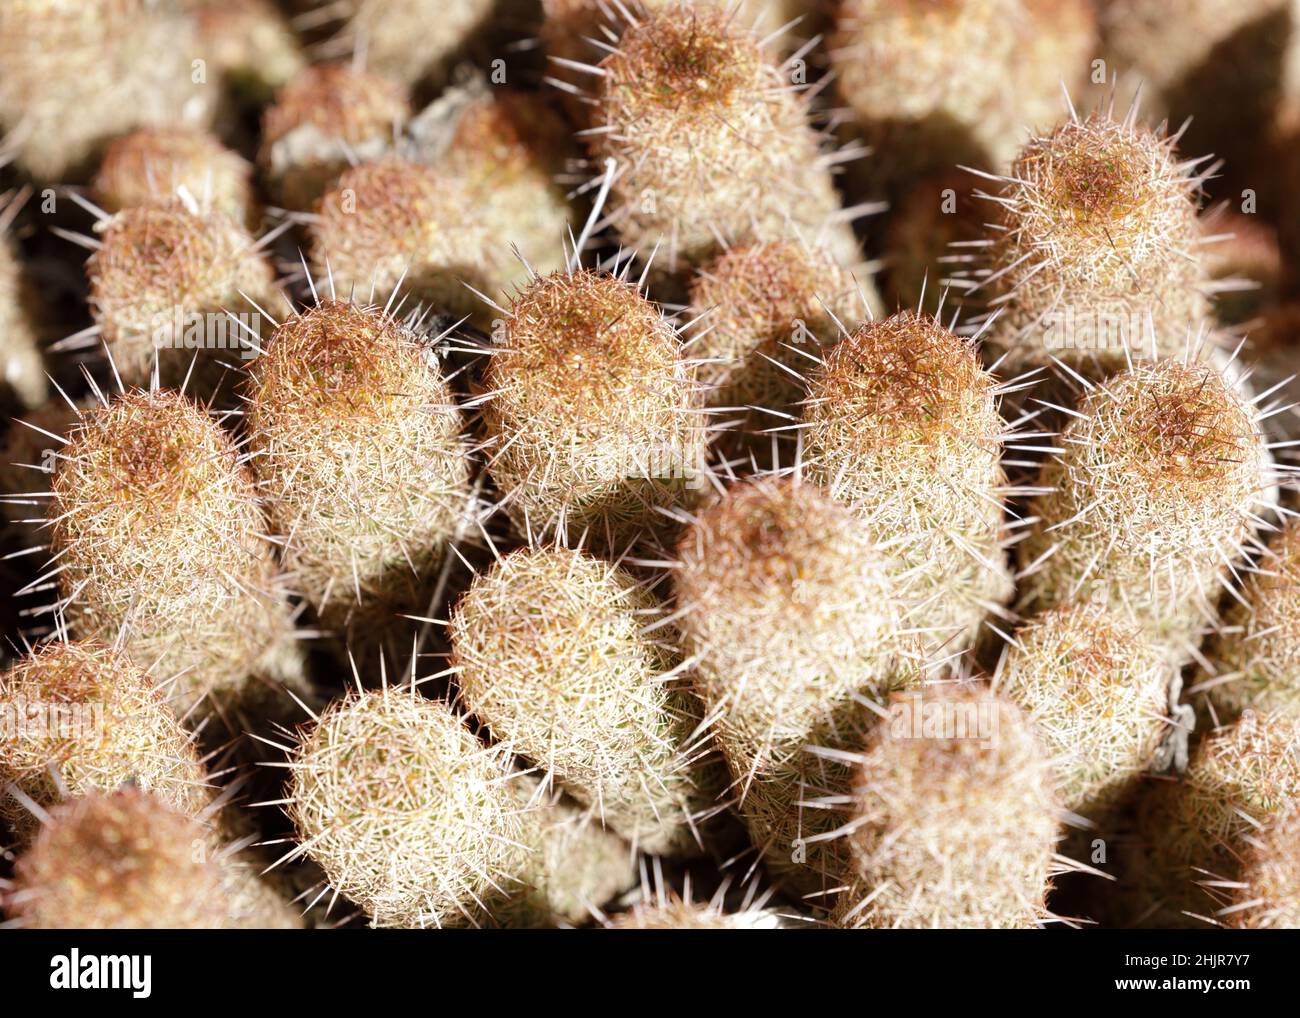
point(1097, 687)
point(896, 62)
point(1150, 500)
point(709, 143)
point(126, 859)
point(791, 613)
point(356, 441)
point(902, 423)
point(155, 528)
point(556, 652)
point(1254, 655)
point(155, 162)
point(1266, 893)
point(1094, 261)
point(953, 818)
point(72, 77)
point(1193, 832)
point(181, 289)
point(80, 717)
point(591, 414)
point(324, 119)
point(420, 824)
point(763, 315)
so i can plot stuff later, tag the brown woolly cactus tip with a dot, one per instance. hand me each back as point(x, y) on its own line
point(710, 144)
point(120, 860)
point(1267, 892)
point(22, 370)
point(410, 40)
point(1149, 501)
point(1193, 832)
point(328, 117)
point(896, 63)
point(80, 717)
point(419, 824)
point(902, 423)
point(154, 162)
point(155, 526)
point(953, 817)
point(252, 44)
point(763, 315)
point(164, 284)
point(1094, 260)
point(1098, 689)
point(590, 412)
point(551, 653)
point(930, 231)
point(1255, 654)
point(395, 223)
point(72, 77)
point(355, 438)
point(792, 615)
point(1243, 263)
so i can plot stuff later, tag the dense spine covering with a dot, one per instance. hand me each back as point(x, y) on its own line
point(154, 162)
point(791, 614)
point(902, 423)
point(1266, 895)
point(1254, 656)
point(933, 84)
point(951, 828)
point(1097, 689)
point(1093, 256)
point(1149, 501)
point(87, 720)
point(711, 145)
point(550, 652)
point(1193, 832)
point(355, 438)
point(155, 526)
point(420, 824)
point(590, 412)
point(324, 119)
point(165, 281)
point(72, 77)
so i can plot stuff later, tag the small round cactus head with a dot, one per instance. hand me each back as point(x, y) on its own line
point(1193, 833)
point(408, 814)
point(1097, 688)
point(677, 914)
point(154, 162)
point(896, 61)
point(179, 291)
point(710, 144)
point(551, 652)
point(118, 860)
point(325, 119)
point(356, 442)
point(792, 614)
point(590, 412)
point(901, 422)
point(1266, 895)
point(89, 720)
point(764, 314)
point(155, 525)
point(953, 819)
point(1095, 258)
point(1151, 498)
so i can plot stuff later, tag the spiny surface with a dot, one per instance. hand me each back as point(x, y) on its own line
point(355, 438)
point(902, 423)
point(550, 653)
point(1149, 501)
point(948, 830)
point(588, 411)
